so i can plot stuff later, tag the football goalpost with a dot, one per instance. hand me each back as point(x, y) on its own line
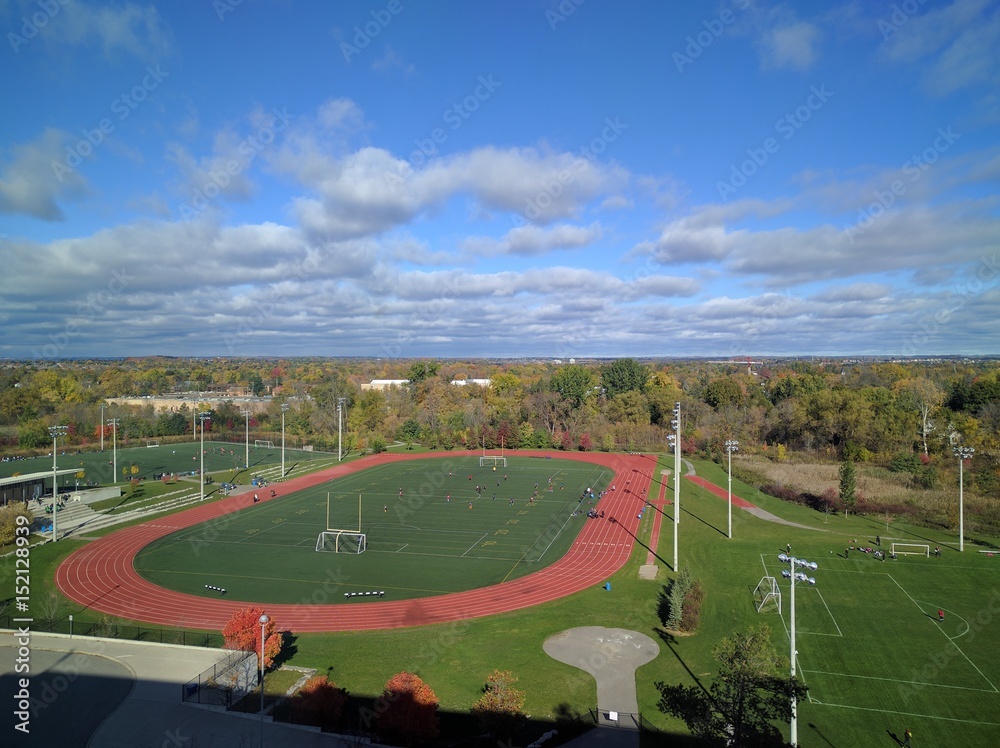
point(152, 442)
point(911, 549)
point(767, 591)
point(258, 443)
point(494, 461)
point(339, 539)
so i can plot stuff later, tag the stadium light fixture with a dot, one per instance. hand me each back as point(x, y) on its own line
point(263, 622)
point(731, 446)
point(284, 409)
point(205, 415)
point(793, 574)
point(113, 423)
point(340, 426)
point(55, 432)
point(103, 406)
point(246, 415)
point(963, 454)
point(675, 438)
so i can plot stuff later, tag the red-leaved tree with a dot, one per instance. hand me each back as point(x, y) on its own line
point(407, 709)
point(243, 632)
point(319, 702)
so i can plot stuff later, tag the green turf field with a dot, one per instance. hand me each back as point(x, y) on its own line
point(220, 458)
point(419, 543)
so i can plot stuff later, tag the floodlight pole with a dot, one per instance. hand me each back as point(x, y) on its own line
point(731, 446)
point(340, 427)
point(284, 408)
point(246, 414)
point(794, 575)
point(263, 622)
point(113, 423)
point(963, 454)
point(676, 438)
point(55, 432)
point(203, 416)
point(102, 427)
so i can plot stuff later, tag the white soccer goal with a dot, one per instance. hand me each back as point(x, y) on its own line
point(767, 591)
point(494, 461)
point(152, 442)
point(258, 443)
point(342, 541)
point(911, 549)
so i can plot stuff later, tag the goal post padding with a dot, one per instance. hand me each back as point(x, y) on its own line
point(767, 590)
point(257, 443)
point(342, 541)
point(494, 461)
point(915, 549)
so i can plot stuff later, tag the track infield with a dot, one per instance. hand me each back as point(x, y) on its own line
point(103, 575)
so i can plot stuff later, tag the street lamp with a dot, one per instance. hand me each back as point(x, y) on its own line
point(340, 426)
point(675, 441)
point(203, 416)
point(55, 432)
point(793, 575)
point(246, 414)
point(263, 622)
point(284, 408)
point(113, 423)
point(963, 454)
point(731, 446)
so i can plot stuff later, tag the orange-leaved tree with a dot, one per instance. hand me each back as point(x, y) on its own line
point(319, 702)
point(407, 709)
point(243, 632)
point(500, 708)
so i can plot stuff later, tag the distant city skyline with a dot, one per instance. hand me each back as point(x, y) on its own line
point(533, 179)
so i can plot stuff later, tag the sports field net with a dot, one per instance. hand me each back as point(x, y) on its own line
point(257, 443)
point(152, 442)
point(342, 541)
point(494, 461)
point(767, 592)
point(911, 549)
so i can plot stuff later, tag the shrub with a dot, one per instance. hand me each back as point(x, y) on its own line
point(691, 615)
point(319, 703)
point(407, 709)
point(500, 708)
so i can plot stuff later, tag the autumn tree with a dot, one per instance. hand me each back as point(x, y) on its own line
point(500, 708)
point(748, 696)
point(573, 383)
point(848, 486)
point(407, 709)
point(9, 523)
point(319, 702)
point(242, 632)
point(624, 375)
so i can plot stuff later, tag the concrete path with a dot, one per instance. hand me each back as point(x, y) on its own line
point(611, 656)
point(110, 693)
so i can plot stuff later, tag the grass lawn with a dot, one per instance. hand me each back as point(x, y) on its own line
point(432, 528)
point(871, 650)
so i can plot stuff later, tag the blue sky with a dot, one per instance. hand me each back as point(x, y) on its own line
point(578, 178)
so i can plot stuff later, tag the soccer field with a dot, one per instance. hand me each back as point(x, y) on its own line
point(869, 639)
point(429, 532)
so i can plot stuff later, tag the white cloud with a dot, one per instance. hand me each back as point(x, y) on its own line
point(37, 176)
point(791, 45)
point(531, 240)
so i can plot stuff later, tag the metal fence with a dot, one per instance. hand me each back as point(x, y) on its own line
point(112, 630)
point(226, 683)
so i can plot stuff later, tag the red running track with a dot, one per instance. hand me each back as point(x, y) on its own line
point(101, 575)
point(721, 492)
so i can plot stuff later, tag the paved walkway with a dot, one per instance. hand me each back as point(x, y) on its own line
point(109, 693)
point(611, 656)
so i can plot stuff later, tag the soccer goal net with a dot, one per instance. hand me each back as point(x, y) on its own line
point(767, 592)
point(494, 461)
point(258, 443)
point(342, 541)
point(911, 549)
point(152, 442)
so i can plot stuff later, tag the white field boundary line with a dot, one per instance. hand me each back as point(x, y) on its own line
point(951, 613)
point(897, 680)
point(478, 541)
point(832, 618)
point(950, 640)
point(897, 713)
point(258, 533)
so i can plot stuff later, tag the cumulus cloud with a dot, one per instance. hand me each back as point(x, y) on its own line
point(37, 176)
point(531, 240)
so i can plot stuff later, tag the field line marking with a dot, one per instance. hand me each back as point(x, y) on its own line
point(906, 714)
point(950, 640)
point(839, 632)
point(478, 541)
point(897, 680)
